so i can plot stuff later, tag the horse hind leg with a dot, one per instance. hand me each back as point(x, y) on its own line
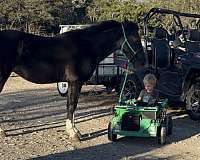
point(3, 79)
point(2, 83)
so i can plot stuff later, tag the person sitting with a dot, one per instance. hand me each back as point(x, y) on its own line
point(149, 95)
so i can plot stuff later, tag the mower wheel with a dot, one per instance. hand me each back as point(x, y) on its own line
point(162, 135)
point(111, 136)
point(169, 125)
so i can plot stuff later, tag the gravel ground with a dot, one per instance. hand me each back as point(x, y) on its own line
point(33, 117)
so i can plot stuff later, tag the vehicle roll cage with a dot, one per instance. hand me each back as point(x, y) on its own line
point(176, 17)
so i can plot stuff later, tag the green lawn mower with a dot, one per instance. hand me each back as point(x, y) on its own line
point(139, 119)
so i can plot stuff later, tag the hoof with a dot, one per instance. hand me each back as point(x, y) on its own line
point(2, 133)
point(75, 139)
point(72, 132)
point(68, 125)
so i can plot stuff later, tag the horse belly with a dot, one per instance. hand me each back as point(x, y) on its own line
point(40, 73)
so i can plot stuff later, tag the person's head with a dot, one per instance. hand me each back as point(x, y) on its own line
point(149, 82)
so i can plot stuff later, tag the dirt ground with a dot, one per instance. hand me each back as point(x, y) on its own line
point(33, 117)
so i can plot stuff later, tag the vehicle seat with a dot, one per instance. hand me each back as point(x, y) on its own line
point(161, 51)
point(193, 45)
point(194, 35)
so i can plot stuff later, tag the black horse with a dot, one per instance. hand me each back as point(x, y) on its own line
point(72, 56)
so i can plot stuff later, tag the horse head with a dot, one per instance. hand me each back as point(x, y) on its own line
point(130, 44)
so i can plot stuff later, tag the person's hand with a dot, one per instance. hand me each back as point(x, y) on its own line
point(131, 101)
point(141, 103)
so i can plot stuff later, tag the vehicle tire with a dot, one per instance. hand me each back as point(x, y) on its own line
point(169, 124)
point(132, 87)
point(62, 88)
point(193, 101)
point(111, 136)
point(162, 135)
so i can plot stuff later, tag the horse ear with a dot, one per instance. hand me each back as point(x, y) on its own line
point(126, 20)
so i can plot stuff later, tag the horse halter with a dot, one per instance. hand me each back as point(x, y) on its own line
point(127, 42)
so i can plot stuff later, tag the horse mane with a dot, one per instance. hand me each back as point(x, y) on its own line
point(94, 28)
point(102, 26)
point(105, 25)
point(131, 24)
point(99, 27)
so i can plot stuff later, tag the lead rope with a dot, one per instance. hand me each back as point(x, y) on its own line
point(126, 74)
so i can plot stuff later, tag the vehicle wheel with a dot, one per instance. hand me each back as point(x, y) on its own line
point(62, 88)
point(162, 135)
point(169, 125)
point(111, 136)
point(132, 87)
point(193, 101)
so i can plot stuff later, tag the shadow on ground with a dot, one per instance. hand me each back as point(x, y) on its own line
point(35, 110)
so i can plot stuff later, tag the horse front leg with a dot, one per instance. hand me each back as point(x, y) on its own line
point(72, 100)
